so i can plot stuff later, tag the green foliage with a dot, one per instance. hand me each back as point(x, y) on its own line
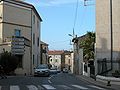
point(88, 45)
point(8, 61)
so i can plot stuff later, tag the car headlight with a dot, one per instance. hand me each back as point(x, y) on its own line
point(35, 70)
point(46, 71)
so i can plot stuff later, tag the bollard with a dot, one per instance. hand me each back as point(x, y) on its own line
point(108, 83)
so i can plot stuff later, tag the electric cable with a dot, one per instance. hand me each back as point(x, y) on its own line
point(75, 19)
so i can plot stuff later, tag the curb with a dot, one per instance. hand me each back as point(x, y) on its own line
point(95, 82)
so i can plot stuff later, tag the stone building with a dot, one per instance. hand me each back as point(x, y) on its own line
point(107, 36)
point(20, 26)
point(44, 53)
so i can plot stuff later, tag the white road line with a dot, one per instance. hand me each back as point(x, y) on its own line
point(48, 87)
point(64, 86)
point(0, 87)
point(49, 81)
point(80, 87)
point(96, 87)
point(51, 77)
point(40, 87)
point(14, 87)
point(32, 87)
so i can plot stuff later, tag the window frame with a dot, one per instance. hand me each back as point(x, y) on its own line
point(17, 32)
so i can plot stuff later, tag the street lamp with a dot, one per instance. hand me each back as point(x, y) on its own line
point(70, 35)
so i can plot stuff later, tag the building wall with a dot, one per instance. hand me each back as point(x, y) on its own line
point(35, 35)
point(103, 30)
point(1, 15)
point(44, 53)
point(1, 33)
point(25, 62)
point(55, 61)
point(44, 58)
point(72, 62)
point(20, 21)
point(9, 31)
point(69, 61)
point(19, 16)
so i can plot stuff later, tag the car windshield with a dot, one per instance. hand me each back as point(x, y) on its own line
point(42, 67)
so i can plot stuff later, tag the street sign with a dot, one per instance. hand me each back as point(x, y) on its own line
point(18, 45)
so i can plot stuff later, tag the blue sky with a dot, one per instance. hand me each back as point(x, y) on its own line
point(58, 20)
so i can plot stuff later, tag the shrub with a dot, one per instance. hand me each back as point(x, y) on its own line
point(8, 61)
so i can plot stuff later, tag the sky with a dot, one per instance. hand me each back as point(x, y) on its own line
point(60, 17)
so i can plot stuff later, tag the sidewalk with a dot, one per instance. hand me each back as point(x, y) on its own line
point(98, 83)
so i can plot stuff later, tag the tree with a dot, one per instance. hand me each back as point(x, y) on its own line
point(88, 45)
point(8, 61)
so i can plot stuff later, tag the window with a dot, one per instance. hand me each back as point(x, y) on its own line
point(33, 59)
point(51, 60)
point(33, 38)
point(38, 42)
point(68, 61)
point(55, 60)
point(37, 60)
point(17, 32)
point(38, 25)
point(33, 19)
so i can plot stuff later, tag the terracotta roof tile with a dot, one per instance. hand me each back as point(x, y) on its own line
point(55, 52)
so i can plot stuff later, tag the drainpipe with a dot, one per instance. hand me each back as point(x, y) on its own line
point(111, 28)
point(31, 47)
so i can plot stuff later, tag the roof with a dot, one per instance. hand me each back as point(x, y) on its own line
point(55, 52)
point(76, 39)
point(22, 2)
point(43, 43)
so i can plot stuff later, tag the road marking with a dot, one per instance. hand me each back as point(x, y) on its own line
point(0, 87)
point(96, 87)
point(14, 87)
point(48, 87)
point(40, 87)
point(80, 87)
point(64, 86)
point(51, 76)
point(32, 87)
point(49, 81)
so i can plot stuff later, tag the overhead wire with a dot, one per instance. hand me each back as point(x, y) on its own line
point(75, 18)
point(84, 14)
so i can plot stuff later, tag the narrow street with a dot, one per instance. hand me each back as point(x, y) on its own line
point(61, 81)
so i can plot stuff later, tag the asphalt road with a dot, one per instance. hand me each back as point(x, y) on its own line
point(61, 81)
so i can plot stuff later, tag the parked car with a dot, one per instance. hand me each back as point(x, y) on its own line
point(65, 70)
point(53, 71)
point(42, 70)
point(58, 70)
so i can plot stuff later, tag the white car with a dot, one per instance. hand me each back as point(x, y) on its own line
point(42, 70)
point(53, 71)
point(65, 70)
